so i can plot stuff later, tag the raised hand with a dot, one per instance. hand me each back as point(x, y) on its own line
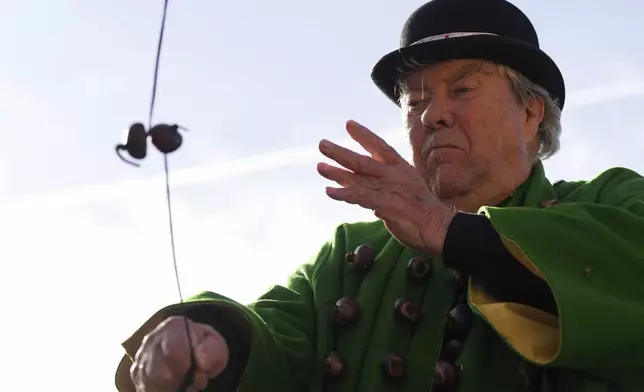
point(387, 184)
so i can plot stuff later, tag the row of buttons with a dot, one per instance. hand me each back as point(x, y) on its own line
point(346, 312)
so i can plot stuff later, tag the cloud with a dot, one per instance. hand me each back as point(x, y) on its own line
point(192, 176)
point(605, 93)
point(219, 171)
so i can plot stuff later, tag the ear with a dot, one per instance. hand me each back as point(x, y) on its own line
point(534, 112)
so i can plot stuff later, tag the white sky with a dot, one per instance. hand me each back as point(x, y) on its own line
point(84, 238)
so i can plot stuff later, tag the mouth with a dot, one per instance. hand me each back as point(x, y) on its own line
point(431, 148)
point(443, 147)
point(442, 153)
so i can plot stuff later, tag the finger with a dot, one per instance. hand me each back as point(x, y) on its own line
point(200, 382)
point(142, 361)
point(176, 352)
point(212, 355)
point(136, 374)
point(379, 149)
point(351, 160)
point(359, 195)
point(340, 176)
point(157, 375)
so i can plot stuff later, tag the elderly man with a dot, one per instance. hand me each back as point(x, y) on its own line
point(479, 275)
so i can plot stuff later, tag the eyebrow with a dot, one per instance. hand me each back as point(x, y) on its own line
point(463, 72)
point(466, 71)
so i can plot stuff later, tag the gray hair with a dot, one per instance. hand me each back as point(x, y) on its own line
point(524, 89)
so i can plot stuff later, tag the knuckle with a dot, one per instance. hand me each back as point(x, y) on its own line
point(138, 377)
point(147, 340)
point(167, 324)
point(172, 322)
point(364, 182)
point(134, 371)
point(164, 376)
point(176, 354)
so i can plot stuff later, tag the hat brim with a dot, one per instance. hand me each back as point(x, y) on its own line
point(532, 62)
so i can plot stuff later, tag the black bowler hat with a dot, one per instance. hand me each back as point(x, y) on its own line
point(492, 30)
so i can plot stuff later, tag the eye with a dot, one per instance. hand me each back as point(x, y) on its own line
point(417, 104)
point(464, 90)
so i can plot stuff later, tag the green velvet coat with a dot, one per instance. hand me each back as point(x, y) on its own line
point(586, 239)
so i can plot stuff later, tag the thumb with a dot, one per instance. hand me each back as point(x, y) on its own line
point(211, 355)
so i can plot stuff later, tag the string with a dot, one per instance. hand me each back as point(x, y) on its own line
point(188, 379)
point(156, 64)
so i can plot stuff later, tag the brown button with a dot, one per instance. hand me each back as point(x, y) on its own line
point(393, 366)
point(451, 350)
point(346, 311)
point(419, 269)
point(362, 259)
point(407, 310)
point(459, 321)
point(334, 365)
point(445, 375)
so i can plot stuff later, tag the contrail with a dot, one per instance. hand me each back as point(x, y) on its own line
point(213, 172)
point(604, 93)
point(199, 174)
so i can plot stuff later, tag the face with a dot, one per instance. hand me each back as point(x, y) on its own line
point(467, 131)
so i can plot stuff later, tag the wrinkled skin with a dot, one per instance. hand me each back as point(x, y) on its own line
point(163, 359)
point(472, 144)
point(471, 140)
point(388, 185)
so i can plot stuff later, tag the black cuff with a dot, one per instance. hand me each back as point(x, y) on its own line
point(238, 346)
point(474, 248)
point(468, 239)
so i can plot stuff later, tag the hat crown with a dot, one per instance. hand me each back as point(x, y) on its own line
point(438, 17)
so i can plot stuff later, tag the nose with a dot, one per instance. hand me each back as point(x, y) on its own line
point(438, 113)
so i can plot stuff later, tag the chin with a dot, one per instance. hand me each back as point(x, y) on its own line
point(447, 182)
point(446, 188)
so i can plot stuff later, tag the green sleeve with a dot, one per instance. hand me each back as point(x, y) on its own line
point(591, 253)
point(278, 328)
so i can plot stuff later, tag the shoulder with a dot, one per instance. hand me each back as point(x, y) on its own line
point(349, 235)
point(616, 185)
point(367, 232)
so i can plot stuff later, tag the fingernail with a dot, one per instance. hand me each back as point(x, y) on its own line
point(331, 191)
point(325, 144)
point(354, 123)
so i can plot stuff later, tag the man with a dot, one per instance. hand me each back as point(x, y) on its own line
point(480, 275)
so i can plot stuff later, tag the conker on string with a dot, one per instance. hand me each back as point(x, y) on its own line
point(165, 137)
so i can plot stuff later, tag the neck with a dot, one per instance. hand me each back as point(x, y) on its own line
point(471, 202)
point(491, 194)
